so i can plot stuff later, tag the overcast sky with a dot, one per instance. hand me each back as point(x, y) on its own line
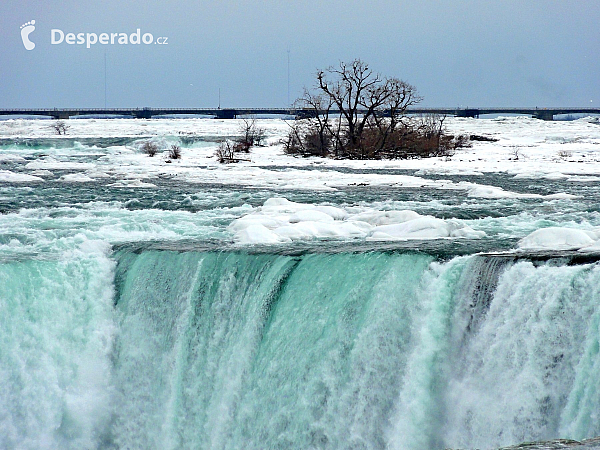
point(457, 53)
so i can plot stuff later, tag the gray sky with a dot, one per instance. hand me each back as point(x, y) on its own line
point(457, 53)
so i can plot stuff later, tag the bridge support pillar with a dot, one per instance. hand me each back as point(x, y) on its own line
point(60, 115)
point(544, 115)
point(305, 114)
point(467, 113)
point(226, 114)
point(142, 113)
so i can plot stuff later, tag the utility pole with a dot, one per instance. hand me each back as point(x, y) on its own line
point(288, 73)
point(104, 80)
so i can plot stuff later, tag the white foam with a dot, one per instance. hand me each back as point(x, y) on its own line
point(50, 163)
point(132, 184)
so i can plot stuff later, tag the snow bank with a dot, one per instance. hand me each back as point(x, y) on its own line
point(280, 220)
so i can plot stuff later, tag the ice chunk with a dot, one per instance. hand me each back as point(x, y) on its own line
point(557, 238)
point(560, 196)
point(425, 227)
point(336, 213)
point(310, 215)
point(76, 178)
point(387, 217)
point(11, 158)
point(258, 234)
point(256, 219)
point(11, 177)
point(280, 220)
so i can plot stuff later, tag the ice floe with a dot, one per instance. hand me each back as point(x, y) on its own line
point(76, 178)
point(560, 238)
point(280, 220)
point(12, 177)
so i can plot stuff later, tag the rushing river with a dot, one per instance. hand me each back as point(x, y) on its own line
point(131, 315)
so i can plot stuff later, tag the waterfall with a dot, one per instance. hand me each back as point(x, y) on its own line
point(168, 349)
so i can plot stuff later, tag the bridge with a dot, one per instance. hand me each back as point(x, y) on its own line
point(231, 113)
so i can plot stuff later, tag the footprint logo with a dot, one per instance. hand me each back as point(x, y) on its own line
point(26, 30)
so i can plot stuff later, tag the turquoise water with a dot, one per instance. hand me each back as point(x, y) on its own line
point(165, 349)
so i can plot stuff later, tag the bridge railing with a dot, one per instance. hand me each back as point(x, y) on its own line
point(64, 113)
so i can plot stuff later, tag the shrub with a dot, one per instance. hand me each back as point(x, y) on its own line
point(516, 153)
point(565, 154)
point(175, 152)
point(306, 138)
point(225, 153)
point(60, 127)
point(420, 137)
point(251, 135)
point(150, 148)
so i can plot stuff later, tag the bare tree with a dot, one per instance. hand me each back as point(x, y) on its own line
point(315, 136)
point(60, 127)
point(364, 99)
point(225, 153)
point(354, 112)
point(251, 135)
